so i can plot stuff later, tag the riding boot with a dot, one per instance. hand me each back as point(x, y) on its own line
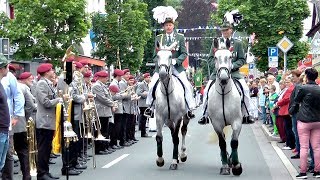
point(190, 115)
point(204, 120)
point(247, 120)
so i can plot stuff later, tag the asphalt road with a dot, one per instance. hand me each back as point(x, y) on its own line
point(138, 162)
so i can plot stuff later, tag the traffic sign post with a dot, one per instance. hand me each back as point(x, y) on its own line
point(273, 57)
point(285, 45)
point(4, 47)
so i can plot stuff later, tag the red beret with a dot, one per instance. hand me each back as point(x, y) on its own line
point(84, 62)
point(125, 71)
point(12, 68)
point(43, 68)
point(87, 74)
point(78, 65)
point(131, 77)
point(25, 75)
point(145, 75)
point(102, 74)
point(114, 88)
point(118, 72)
point(70, 59)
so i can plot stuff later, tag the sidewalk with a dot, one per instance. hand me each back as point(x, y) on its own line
point(274, 141)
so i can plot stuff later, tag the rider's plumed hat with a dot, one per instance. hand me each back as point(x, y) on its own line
point(164, 14)
point(3, 61)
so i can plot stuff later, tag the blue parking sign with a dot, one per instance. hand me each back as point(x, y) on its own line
point(272, 51)
point(251, 66)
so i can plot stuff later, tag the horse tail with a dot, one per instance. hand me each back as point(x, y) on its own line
point(213, 137)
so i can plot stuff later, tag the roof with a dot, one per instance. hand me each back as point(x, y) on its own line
point(90, 60)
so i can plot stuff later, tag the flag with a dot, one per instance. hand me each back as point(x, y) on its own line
point(198, 79)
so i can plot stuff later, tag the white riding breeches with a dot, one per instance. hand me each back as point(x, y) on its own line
point(187, 85)
point(247, 99)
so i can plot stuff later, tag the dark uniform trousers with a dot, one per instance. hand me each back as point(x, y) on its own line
point(102, 145)
point(44, 142)
point(74, 149)
point(21, 147)
point(121, 127)
point(131, 122)
point(143, 121)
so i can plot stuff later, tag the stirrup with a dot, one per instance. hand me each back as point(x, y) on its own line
point(204, 120)
point(148, 112)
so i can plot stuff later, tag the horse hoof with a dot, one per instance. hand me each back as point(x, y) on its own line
point(160, 164)
point(184, 159)
point(173, 167)
point(224, 171)
point(237, 170)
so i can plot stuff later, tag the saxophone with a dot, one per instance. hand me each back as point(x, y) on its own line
point(32, 144)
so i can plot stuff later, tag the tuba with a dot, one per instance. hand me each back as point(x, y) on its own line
point(32, 145)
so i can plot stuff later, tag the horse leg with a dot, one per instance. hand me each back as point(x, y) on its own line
point(225, 169)
point(159, 139)
point(175, 139)
point(234, 160)
point(184, 128)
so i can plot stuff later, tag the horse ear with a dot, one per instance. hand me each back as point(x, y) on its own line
point(215, 43)
point(228, 43)
point(158, 46)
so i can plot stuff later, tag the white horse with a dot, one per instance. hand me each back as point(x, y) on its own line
point(224, 108)
point(170, 108)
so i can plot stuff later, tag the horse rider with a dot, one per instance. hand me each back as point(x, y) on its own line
point(237, 61)
point(179, 54)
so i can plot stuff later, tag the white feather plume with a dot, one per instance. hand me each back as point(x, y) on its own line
point(234, 17)
point(161, 13)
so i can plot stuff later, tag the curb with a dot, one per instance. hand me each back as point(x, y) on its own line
point(268, 134)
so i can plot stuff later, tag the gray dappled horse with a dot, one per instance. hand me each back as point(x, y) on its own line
point(224, 108)
point(170, 108)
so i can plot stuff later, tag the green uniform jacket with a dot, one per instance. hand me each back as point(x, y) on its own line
point(179, 53)
point(238, 61)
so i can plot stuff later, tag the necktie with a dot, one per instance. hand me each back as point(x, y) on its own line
point(169, 40)
point(228, 43)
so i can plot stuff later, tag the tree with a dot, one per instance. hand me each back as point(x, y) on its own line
point(122, 34)
point(45, 28)
point(270, 21)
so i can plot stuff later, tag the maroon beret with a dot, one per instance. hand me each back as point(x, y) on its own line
point(145, 75)
point(125, 71)
point(87, 74)
point(12, 68)
point(131, 77)
point(25, 75)
point(114, 88)
point(70, 59)
point(118, 72)
point(84, 62)
point(78, 65)
point(43, 68)
point(102, 74)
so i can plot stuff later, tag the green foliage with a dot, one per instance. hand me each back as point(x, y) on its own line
point(266, 19)
point(45, 28)
point(122, 34)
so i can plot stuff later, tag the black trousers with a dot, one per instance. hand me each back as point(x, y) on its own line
point(131, 125)
point(120, 122)
point(113, 134)
point(44, 142)
point(73, 150)
point(84, 141)
point(21, 147)
point(290, 139)
point(143, 121)
point(102, 145)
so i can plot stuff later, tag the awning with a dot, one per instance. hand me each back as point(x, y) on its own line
point(96, 62)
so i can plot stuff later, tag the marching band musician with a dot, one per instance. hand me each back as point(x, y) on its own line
point(119, 117)
point(78, 97)
point(104, 105)
point(47, 99)
point(142, 91)
point(20, 130)
point(134, 110)
point(126, 106)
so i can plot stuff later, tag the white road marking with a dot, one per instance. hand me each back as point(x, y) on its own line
point(115, 161)
point(291, 169)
